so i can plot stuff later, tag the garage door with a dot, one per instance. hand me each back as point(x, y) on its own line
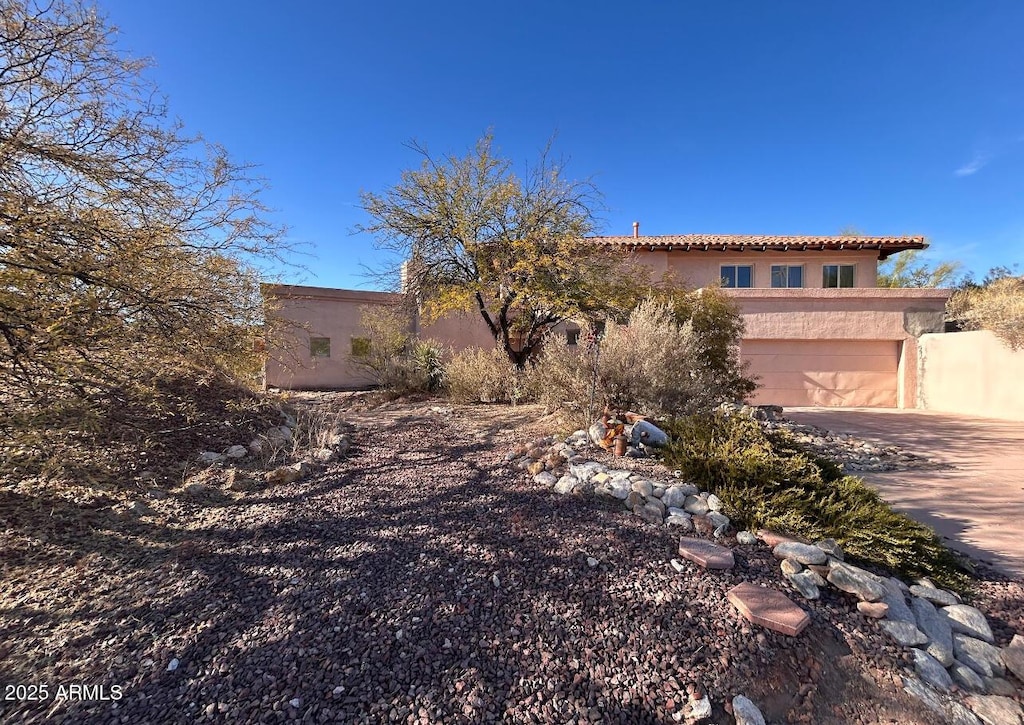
point(860, 373)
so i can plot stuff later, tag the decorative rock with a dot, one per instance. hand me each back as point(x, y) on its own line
point(683, 523)
point(619, 489)
point(563, 485)
point(674, 497)
point(875, 610)
point(966, 677)
point(1013, 656)
point(980, 656)
point(831, 547)
point(898, 609)
point(650, 512)
point(936, 596)
point(949, 711)
point(679, 566)
point(323, 455)
point(746, 712)
point(672, 511)
point(791, 566)
point(210, 457)
point(746, 538)
point(970, 621)
point(804, 583)
point(931, 670)
point(648, 434)
point(814, 576)
point(768, 608)
point(771, 538)
point(535, 468)
point(999, 686)
point(620, 474)
point(856, 581)
point(599, 479)
point(996, 710)
point(236, 452)
point(172, 665)
point(585, 471)
point(645, 488)
point(719, 521)
point(695, 505)
point(715, 503)
point(936, 627)
point(904, 633)
point(705, 553)
point(804, 553)
point(283, 475)
point(658, 492)
point(635, 500)
point(597, 432)
point(592, 562)
point(700, 709)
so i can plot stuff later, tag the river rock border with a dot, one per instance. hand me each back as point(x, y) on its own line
point(951, 642)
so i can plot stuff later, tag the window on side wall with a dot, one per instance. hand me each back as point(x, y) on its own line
point(360, 347)
point(837, 275)
point(785, 275)
point(572, 336)
point(737, 275)
point(319, 347)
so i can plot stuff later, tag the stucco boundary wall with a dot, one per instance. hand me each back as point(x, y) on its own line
point(822, 325)
point(973, 373)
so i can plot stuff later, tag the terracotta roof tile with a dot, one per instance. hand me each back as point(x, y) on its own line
point(763, 242)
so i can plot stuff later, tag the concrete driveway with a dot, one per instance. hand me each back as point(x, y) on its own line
point(978, 506)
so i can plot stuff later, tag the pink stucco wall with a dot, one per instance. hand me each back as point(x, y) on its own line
point(702, 269)
point(972, 373)
point(335, 314)
point(317, 312)
point(842, 347)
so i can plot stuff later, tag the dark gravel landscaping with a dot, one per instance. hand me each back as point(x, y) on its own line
point(420, 580)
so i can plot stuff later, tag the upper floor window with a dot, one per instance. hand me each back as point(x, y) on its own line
point(787, 276)
point(737, 275)
point(837, 275)
point(319, 347)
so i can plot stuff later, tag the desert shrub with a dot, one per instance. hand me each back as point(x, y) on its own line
point(998, 306)
point(664, 361)
point(391, 355)
point(765, 480)
point(475, 375)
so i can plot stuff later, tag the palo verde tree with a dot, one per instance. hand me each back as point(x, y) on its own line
point(476, 237)
point(907, 269)
point(126, 245)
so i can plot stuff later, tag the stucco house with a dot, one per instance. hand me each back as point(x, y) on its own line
point(818, 330)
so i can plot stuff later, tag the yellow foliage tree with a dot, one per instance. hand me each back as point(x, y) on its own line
point(474, 236)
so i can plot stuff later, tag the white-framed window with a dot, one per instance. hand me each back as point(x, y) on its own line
point(737, 275)
point(787, 275)
point(319, 347)
point(837, 275)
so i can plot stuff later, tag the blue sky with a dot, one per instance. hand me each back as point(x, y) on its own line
point(691, 117)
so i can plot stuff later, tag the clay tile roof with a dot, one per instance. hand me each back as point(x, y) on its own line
point(762, 242)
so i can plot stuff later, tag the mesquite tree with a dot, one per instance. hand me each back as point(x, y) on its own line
point(474, 236)
point(126, 245)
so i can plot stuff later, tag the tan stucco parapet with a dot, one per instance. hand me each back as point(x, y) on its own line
point(846, 293)
point(292, 291)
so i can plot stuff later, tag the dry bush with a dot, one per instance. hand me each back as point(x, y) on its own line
point(393, 357)
point(655, 364)
point(476, 375)
point(998, 307)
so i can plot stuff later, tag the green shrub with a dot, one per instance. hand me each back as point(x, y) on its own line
point(766, 481)
point(392, 356)
point(475, 375)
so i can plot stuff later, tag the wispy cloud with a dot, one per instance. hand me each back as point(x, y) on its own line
point(974, 165)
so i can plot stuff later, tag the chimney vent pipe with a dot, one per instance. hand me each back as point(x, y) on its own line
point(636, 230)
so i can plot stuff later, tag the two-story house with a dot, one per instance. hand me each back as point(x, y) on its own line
point(818, 330)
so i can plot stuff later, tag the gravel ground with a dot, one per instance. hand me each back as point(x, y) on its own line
point(418, 581)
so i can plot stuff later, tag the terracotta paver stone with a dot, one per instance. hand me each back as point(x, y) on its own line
point(705, 553)
point(768, 608)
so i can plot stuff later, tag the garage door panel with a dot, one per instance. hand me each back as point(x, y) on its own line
point(824, 372)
